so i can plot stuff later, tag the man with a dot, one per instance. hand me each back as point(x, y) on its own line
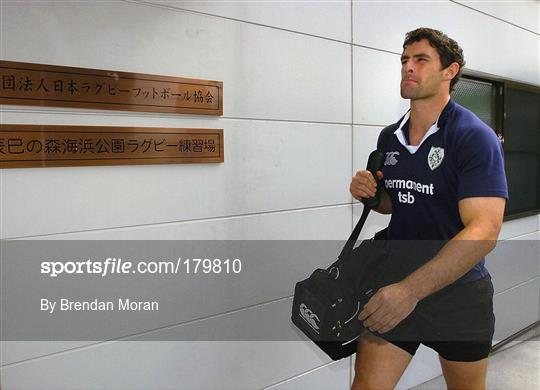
point(443, 180)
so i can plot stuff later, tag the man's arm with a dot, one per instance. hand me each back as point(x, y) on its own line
point(482, 218)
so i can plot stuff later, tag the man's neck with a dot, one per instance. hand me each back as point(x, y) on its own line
point(424, 113)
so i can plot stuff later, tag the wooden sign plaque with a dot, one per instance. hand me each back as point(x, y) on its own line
point(30, 146)
point(62, 86)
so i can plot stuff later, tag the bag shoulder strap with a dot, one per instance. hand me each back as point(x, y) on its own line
point(382, 144)
point(385, 135)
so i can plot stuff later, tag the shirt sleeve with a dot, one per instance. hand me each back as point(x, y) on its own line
point(480, 165)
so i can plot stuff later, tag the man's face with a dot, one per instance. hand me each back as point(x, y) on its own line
point(421, 71)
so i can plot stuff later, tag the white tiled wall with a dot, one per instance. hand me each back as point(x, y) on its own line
point(307, 87)
point(171, 365)
point(261, 173)
point(381, 24)
point(522, 13)
point(331, 376)
point(376, 88)
point(283, 15)
point(283, 75)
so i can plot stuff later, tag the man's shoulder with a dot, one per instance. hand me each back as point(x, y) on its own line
point(464, 120)
point(465, 126)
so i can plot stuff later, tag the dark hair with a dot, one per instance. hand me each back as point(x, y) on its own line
point(448, 49)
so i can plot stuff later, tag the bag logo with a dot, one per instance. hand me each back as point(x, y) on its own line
point(310, 317)
point(391, 158)
point(435, 157)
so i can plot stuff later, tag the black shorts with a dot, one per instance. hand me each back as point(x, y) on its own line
point(457, 322)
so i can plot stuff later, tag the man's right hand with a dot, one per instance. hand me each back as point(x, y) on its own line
point(363, 184)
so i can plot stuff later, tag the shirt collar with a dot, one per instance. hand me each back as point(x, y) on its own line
point(441, 120)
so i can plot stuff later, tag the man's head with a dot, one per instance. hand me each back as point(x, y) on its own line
point(431, 63)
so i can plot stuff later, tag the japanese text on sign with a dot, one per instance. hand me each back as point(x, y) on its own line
point(47, 85)
point(28, 145)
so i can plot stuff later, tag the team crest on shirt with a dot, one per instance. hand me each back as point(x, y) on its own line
point(435, 157)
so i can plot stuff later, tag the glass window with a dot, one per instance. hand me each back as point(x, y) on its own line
point(479, 97)
point(522, 148)
point(513, 111)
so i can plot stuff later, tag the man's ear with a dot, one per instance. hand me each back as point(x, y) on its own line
point(451, 71)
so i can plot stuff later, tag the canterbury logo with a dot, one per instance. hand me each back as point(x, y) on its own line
point(309, 317)
point(391, 158)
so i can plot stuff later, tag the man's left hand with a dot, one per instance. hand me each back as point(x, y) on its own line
point(387, 308)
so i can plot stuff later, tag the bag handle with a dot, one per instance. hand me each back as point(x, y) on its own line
point(375, 162)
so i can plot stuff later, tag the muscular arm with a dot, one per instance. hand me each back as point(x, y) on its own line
point(482, 218)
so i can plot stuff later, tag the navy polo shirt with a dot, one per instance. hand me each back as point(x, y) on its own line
point(459, 157)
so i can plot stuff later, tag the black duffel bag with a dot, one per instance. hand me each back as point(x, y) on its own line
point(327, 304)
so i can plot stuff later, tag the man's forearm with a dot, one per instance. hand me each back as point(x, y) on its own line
point(457, 257)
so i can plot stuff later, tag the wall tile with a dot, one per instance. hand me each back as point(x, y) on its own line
point(261, 173)
point(518, 227)
point(328, 223)
point(297, 15)
point(267, 73)
point(188, 365)
point(514, 261)
point(376, 77)
point(523, 13)
point(174, 363)
point(331, 376)
point(515, 309)
point(462, 24)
